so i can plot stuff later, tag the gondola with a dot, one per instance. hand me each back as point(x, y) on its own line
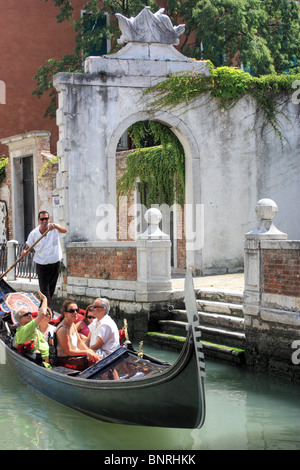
point(126, 387)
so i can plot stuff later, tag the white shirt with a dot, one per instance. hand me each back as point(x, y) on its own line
point(47, 250)
point(107, 330)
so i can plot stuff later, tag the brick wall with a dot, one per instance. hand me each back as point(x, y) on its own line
point(102, 262)
point(281, 272)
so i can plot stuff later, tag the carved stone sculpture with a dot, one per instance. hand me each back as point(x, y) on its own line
point(149, 28)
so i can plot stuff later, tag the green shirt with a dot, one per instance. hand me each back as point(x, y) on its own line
point(30, 331)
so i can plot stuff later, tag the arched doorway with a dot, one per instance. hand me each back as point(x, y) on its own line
point(183, 224)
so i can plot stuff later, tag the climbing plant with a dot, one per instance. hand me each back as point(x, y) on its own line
point(160, 168)
point(156, 133)
point(227, 84)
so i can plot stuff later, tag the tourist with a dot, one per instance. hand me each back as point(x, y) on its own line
point(71, 350)
point(47, 254)
point(28, 331)
point(45, 327)
point(83, 325)
point(104, 334)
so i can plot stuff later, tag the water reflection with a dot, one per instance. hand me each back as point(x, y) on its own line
point(31, 421)
point(243, 411)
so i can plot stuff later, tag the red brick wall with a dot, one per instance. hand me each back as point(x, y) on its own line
point(281, 272)
point(102, 263)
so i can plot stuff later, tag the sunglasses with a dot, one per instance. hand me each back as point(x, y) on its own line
point(96, 306)
point(73, 310)
point(26, 314)
point(90, 316)
point(44, 218)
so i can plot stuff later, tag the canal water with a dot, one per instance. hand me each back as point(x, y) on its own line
point(244, 411)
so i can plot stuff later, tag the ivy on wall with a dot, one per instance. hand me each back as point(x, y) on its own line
point(160, 168)
point(227, 84)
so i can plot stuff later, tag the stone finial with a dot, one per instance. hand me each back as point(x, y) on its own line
point(266, 209)
point(149, 28)
point(153, 218)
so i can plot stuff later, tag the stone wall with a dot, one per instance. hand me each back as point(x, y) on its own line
point(272, 297)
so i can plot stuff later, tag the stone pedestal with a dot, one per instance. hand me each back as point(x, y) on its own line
point(153, 257)
point(266, 210)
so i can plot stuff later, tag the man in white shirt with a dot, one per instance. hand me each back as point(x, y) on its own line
point(104, 334)
point(47, 254)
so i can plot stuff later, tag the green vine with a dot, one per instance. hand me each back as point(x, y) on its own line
point(228, 84)
point(158, 171)
point(158, 162)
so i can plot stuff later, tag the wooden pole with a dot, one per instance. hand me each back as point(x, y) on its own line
point(21, 257)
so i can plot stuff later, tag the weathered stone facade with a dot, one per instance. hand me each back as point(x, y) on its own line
point(232, 158)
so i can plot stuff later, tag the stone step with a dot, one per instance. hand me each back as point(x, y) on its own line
point(233, 297)
point(216, 319)
point(211, 350)
point(215, 334)
point(221, 324)
point(224, 308)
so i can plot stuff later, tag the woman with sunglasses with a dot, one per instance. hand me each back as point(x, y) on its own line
point(47, 253)
point(71, 350)
point(83, 325)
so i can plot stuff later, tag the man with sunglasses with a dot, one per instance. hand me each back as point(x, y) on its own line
point(47, 254)
point(104, 334)
point(28, 330)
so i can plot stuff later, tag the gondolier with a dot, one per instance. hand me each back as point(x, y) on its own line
point(47, 253)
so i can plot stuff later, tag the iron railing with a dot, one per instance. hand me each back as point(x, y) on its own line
point(25, 267)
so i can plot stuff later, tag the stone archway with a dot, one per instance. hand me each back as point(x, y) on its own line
point(192, 164)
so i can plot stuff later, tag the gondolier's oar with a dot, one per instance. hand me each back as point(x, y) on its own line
point(27, 251)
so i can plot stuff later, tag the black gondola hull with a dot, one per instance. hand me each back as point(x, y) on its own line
point(172, 399)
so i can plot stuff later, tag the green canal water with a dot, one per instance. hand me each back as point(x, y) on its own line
point(244, 411)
